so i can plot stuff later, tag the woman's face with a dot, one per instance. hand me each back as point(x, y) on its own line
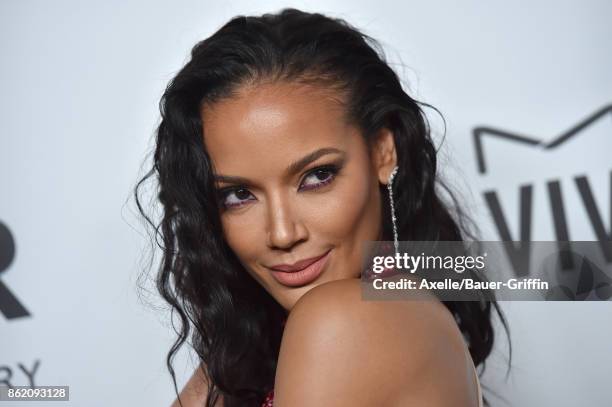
point(296, 183)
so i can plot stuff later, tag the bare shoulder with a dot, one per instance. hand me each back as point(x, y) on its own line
point(362, 353)
point(339, 307)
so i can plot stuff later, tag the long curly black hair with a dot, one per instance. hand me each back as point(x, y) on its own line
point(235, 325)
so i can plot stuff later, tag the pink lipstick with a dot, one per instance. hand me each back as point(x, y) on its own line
point(300, 273)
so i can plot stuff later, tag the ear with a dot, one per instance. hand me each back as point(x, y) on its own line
point(384, 156)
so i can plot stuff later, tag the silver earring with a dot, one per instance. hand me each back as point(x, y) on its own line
point(393, 217)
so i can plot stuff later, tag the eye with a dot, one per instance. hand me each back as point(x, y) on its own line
point(234, 197)
point(319, 177)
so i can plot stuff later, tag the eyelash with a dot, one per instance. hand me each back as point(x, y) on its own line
point(332, 169)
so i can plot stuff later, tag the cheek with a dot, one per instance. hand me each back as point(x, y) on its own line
point(241, 233)
point(353, 218)
point(352, 213)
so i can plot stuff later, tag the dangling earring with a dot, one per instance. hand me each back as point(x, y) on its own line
point(393, 218)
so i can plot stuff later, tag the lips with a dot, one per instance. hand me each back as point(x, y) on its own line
point(302, 272)
point(300, 265)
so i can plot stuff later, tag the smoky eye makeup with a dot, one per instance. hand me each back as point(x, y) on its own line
point(319, 177)
point(313, 179)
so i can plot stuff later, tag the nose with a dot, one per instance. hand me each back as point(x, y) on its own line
point(284, 228)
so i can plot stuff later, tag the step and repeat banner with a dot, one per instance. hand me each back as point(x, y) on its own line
point(525, 89)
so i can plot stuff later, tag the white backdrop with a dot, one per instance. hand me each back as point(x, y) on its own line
point(80, 85)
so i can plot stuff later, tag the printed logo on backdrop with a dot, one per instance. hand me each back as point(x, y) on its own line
point(571, 168)
point(10, 306)
point(19, 375)
point(13, 373)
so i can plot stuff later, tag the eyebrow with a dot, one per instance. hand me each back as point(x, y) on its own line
point(291, 169)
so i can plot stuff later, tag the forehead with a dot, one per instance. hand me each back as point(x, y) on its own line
point(276, 122)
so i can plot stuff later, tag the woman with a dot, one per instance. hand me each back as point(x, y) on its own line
point(277, 143)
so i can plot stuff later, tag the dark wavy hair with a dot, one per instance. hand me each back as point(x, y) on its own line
point(235, 325)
